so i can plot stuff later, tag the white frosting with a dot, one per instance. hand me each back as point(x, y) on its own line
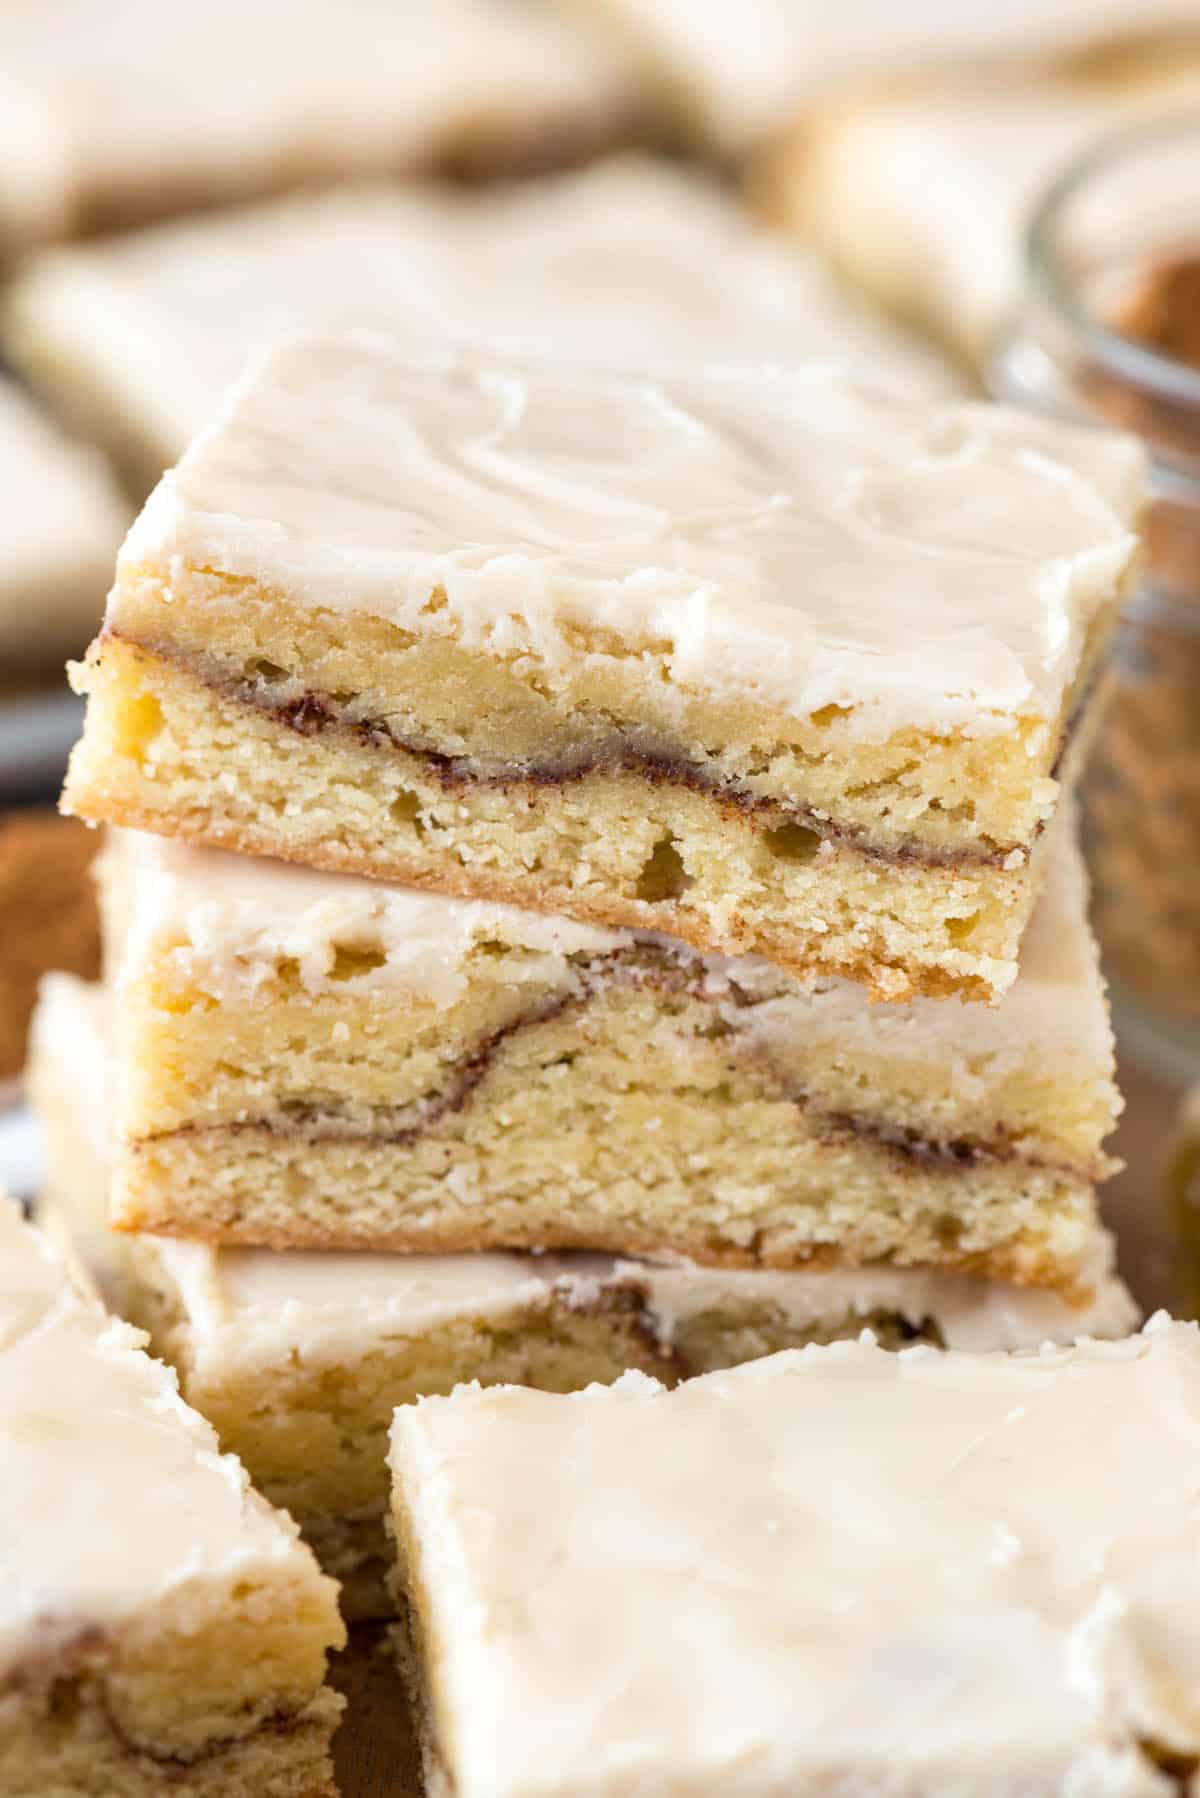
point(61, 524)
point(952, 1575)
point(254, 1308)
point(114, 1493)
point(121, 101)
point(247, 1309)
point(745, 71)
point(924, 196)
point(796, 534)
point(627, 260)
point(226, 922)
point(969, 1313)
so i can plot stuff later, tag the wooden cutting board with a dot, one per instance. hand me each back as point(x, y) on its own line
point(376, 1753)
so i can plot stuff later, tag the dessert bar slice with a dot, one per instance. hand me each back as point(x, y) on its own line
point(772, 660)
point(299, 1359)
point(834, 1570)
point(736, 75)
point(109, 115)
point(62, 522)
point(922, 193)
point(134, 339)
point(318, 1061)
point(161, 1627)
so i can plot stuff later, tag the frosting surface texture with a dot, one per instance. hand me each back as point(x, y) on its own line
point(798, 534)
point(834, 1569)
point(115, 1492)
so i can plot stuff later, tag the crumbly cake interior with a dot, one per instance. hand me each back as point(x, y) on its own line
point(58, 1740)
point(619, 1119)
point(617, 835)
point(552, 1150)
point(248, 992)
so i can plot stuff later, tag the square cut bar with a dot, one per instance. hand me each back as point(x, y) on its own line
point(133, 340)
point(299, 1359)
point(772, 660)
point(161, 1627)
point(835, 1570)
point(62, 523)
point(115, 114)
point(922, 193)
point(318, 1061)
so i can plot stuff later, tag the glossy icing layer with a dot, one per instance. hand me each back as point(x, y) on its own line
point(834, 1569)
point(115, 1494)
point(796, 536)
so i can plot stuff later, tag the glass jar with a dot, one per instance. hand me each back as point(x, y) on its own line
point(1109, 330)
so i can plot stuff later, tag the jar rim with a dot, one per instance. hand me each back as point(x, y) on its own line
point(1129, 359)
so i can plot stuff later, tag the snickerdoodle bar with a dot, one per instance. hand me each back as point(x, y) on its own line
point(313, 1060)
point(774, 660)
point(834, 1570)
point(161, 1627)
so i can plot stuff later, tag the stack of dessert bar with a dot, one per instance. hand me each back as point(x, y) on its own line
point(683, 952)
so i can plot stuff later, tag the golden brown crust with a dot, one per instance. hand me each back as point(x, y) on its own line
point(880, 976)
point(622, 849)
point(1023, 1260)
